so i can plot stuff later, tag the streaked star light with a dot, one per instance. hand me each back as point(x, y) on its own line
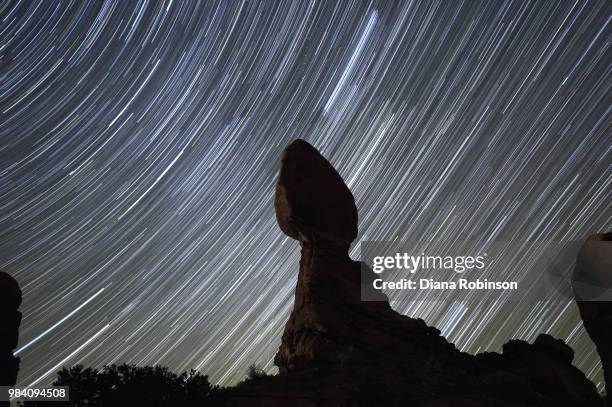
point(139, 146)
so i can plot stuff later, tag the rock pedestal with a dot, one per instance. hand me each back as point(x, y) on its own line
point(329, 321)
point(339, 350)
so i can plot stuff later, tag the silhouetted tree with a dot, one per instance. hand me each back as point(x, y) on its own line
point(130, 385)
point(255, 372)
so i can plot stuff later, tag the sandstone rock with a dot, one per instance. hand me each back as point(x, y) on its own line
point(546, 366)
point(555, 347)
point(312, 202)
point(339, 350)
point(329, 320)
point(593, 266)
point(10, 318)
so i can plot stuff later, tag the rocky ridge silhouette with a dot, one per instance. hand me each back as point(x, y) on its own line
point(339, 350)
point(10, 318)
point(595, 264)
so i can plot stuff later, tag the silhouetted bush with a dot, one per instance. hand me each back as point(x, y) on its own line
point(130, 385)
point(255, 373)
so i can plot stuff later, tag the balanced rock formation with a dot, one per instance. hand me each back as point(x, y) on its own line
point(10, 318)
point(593, 280)
point(329, 320)
point(338, 350)
point(312, 202)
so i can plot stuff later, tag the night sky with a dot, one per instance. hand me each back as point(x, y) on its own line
point(139, 147)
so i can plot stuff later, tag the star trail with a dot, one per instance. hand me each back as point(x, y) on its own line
point(139, 147)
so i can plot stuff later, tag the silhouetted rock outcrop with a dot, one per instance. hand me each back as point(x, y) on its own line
point(594, 277)
point(339, 350)
point(312, 202)
point(10, 318)
point(329, 320)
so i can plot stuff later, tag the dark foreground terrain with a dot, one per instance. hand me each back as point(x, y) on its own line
point(340, 351)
